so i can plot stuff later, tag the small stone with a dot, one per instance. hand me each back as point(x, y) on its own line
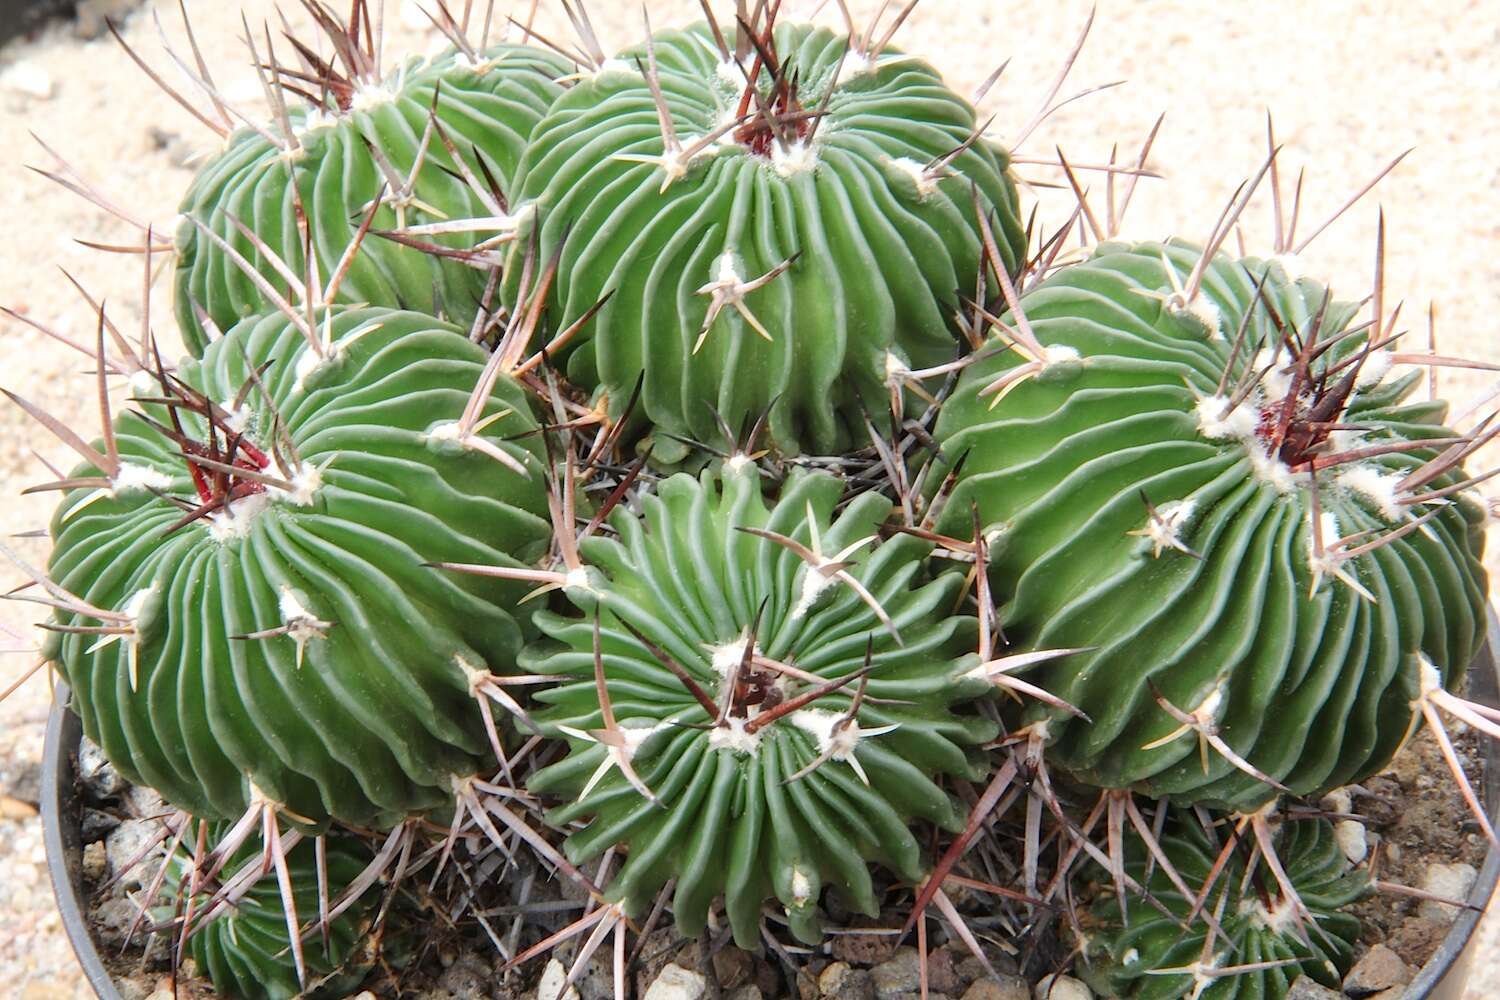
point(1352, 840)
point(863, 949)
point(1379, 969)
point(551, 985)
point(1451, 881)
point(1008, 988)
point(1338, 801)
point(1394, 993)
point(134, 853)
point(143, 803)
point(749, 991)
point(97, 825)
point(95, 864)
point(112, 918)
point(1416, 938)
point(89, 16)
point(1057, 987)
point(677, 983)
point(732, 967)
point(807, 985)
point(99, 777)
point(165, 994)
point(467, 979)
point(942, 973)
point(901, 973)
point(842, 982)
point(28, 79)
point(1310, 989)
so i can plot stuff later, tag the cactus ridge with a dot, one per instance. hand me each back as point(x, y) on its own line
point(688, 579)
point(790, 255)
point(1155, 952)
point(317, 186)
point(1130, 504)
point(290, 642)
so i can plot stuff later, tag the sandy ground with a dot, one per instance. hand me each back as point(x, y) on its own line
point(1351, 85)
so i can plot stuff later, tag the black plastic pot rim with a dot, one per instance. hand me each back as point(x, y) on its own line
point(1442, 978)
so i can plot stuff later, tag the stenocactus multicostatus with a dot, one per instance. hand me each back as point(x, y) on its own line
point(243, 611)
point(1231, 497)
point(425, 141)
point(761, 732)
point(790, 221)
point(1248, 937)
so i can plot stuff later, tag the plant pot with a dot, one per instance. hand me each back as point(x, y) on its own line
point(1442, 978)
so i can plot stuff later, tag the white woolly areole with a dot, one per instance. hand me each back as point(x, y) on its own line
point(797, 158)
point(236, 517)
point(1279, 918)
point(819, 724)
point(609, 66)
point(1271, 470)
point(1275, 382)
point(1429, 679)
point(728, 655)
point(738, 461)
point(1377, 486)
point(728, 72)
point(305, 480)
point(1291, 264)
point(813, 585)
point(1059, 354)
point(142, 383)
point(1217, 422)
point(137, 602)
point(133, 478)
point(578, 579)
point(1131, 957)
point(302, 623)
point(236, 418)
point(925, 182)
point(1325, 564)
point(1376, 367)
point(855, 65)
point(895, 367)
point(1165, 529)
point(802, 887)
point(316, 120)
point(733, 736)
point(371, 96)
point(1199, 309)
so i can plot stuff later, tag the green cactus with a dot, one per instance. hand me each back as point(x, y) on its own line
point(361, 143)
point(263, 625)
point(688, 583)
point(1296, 642)
point(686, 222)
point(1153, 952)
point(245, 949)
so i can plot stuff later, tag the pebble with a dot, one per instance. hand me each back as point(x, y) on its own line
point(551, 986)
point(125, 845)
point(747, 992)
point(1378, 969)
point(1310, 989)
point(1416, 938)
point(1352, 840)
point(677, 983)
point(28, 79)
point(1056, 987)
point(98, 775)
point(95, 864)
point(1338, 801)
point(901, 973)
point(1451, 881)
point(840, 981)
point(1008, 988)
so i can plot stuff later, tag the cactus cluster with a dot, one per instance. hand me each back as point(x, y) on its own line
point(678, 474)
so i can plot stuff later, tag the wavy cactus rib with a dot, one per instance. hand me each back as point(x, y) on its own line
point(738, 812)
point(689, 226)
point(486, 108)
point(1147, 952)
point(245, 949)
point(1269, 577)
point(289, 644)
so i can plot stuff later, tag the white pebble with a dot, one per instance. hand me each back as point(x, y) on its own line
point(1353, 840)
point(1451, 881)
point(28, 79)
point(1057, 987)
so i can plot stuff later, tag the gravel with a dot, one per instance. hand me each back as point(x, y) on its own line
point(1351, 87)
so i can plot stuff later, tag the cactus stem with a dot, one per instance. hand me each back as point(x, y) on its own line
point(1164, 526)
point(821, 570)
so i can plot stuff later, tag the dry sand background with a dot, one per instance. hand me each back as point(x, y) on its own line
point(1351, 84)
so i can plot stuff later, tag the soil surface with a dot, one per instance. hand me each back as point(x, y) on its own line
point(1351, 85)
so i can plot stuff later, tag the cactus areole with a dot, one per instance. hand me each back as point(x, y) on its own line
point(791, 224)
point(1236, 502)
